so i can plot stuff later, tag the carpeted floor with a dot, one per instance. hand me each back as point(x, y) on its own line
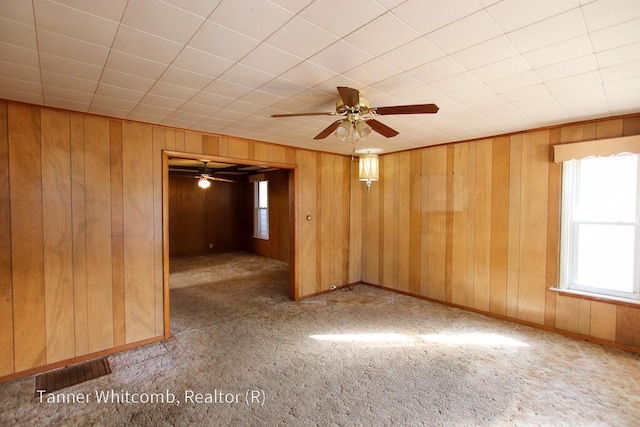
point(359, 357)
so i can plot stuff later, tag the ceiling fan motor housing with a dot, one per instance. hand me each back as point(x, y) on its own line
point(363, 107)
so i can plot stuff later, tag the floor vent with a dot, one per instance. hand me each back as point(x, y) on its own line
point(72, 375)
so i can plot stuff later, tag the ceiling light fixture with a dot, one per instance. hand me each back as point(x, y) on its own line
point(369, 165)
point(204, 183)
point(343, 130)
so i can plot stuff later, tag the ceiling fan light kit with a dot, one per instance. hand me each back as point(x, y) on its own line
point(359, 120)
point(204, 183)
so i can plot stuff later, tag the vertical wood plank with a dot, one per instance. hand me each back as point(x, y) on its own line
point(482, 241)
point(609, 128)
point(158, 145)
point(344, 186)
point(170, 141)
point(390, 214)
point(209, 145)
point(307, 236)
point(553, 232)
point(584, 316)
point(356, 225)
point(180, 141)
point(261, 151)
point(25, 172)
point(515, 209)
point(371, 234)
point(57, 235)
point(437, 221)
point(460, 223)
point(6, 294)
point(533, 238)
point(499, 225)
point(404, 219)
point(567, 310)
point(239, 149)
point(193, 142)
point(415, 221)
point(448, 275)
point(117, 232)
point(79, 243)
point(471, 225)
point(603, 321)
point(98, 233)
point(627, 321)
point(139, 279)
point(424, 223)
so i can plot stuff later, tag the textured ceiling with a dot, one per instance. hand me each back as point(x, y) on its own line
point(225, 66)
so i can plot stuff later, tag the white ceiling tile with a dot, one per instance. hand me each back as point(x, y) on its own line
point(201, 62)
point(186, 116)
point(18, 95)
point(181, 77)
point(18, 85)
point(625, 85)
point(226, 88)
point(301, 38)
point(106, 101)
point(525, 93)
point(20, 11)
point(436, 70)
point(616, 36)
point(270, 59)
point(67, 104)
point(145, 45)
point(17, 33)
point(581, 96)
point(568, 68)
point(396, 33)
point(69, 67)
point(340, 17)
point(501, 69)
point(620, 72)
point(340, 57)
point(619, 55)
point(468, 31)
point(69, 82)
point(308, 74)
point(605, 13)
point(559, 52)
point(283, 88)
point(246, 76)
point(318, 98)
point(294, 6)
point(177, 123)
point(418, 95)
point(104, 110)
point(455, 83)
point(257, 19)
point(161, 101)
point(244, 107)
point(574, 81)
point(201, 8)
point(551, 31)
point(150, 109)
point(217, 40)
point(260, 97)
point(16, 71)
point(372, 72)
point(134, 65)
point(544, 110)
point(513, 14)
point(119, 93)
point(74, 23)
point(413, 54)
point(419, 14)
point(19, 55)
point(198, 109)
point(112, 9)
point(161, 19)
point(127, 81)
point(172, 91)
point(484, 53)
point(66, 47)
point(517, 81)
point(396, 84)
point(63, 93)
point(468, 94)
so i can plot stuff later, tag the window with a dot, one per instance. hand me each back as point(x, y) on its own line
point(600, 242)
point(261, 211)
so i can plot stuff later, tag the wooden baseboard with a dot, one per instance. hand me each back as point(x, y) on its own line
point(328, 291)
point(79, 359)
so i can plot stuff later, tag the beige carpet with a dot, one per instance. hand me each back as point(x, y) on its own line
point(360, 357)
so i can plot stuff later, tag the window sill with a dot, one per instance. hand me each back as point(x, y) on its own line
point(260, 237)
point(601, 298)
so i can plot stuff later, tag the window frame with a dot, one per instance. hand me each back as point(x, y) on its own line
point(257, 209)
point(569, 236)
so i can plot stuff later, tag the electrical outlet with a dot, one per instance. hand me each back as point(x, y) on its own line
point(210, 245)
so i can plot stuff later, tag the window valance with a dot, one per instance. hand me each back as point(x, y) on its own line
point(599, 148)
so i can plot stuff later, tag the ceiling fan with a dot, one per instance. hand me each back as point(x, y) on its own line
point(360, 116)
point(205, 177)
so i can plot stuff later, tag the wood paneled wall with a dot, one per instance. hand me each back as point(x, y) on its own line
point(81, 249)
point(476, 224)
point(204, 221)
point(278, 246)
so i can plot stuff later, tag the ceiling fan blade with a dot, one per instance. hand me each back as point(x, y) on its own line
point(213, 178)
point(350, 97)
point(327, 131)
point(302, 114)
point(381, 128)
point(408, 109)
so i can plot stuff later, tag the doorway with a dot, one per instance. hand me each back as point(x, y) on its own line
point(195, 231)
